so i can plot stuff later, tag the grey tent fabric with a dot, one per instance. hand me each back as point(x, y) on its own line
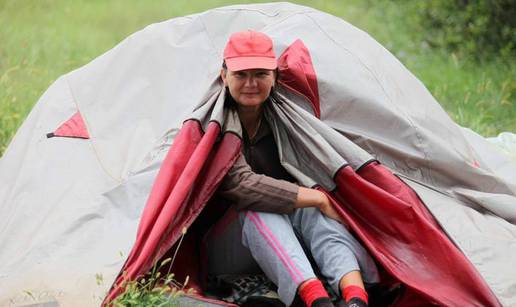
point(69, 208)
point(312, 152)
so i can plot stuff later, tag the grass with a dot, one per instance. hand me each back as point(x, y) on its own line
point(153, 291)
point(43, 39)
point(157, 288)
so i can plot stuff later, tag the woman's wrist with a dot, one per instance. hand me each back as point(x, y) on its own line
point(307, 197)
point(322, 199)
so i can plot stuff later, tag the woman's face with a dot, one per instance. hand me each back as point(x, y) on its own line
point(249, 87)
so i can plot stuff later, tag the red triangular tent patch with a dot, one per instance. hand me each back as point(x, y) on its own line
point(74, 127)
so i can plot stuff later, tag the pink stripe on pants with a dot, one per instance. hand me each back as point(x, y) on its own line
point(271, 244)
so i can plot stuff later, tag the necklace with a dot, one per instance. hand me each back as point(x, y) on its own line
point(251, 136)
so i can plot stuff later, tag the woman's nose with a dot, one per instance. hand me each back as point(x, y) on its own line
point(250, 81)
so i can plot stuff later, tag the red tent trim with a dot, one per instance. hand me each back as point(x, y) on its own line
point(297, 74)
point(74, 127)
point(405, 239)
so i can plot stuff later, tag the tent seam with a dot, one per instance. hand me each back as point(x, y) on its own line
point(118, 180)
point(305, 10)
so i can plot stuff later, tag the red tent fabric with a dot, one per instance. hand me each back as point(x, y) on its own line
point(383, 212)
point(194, 167)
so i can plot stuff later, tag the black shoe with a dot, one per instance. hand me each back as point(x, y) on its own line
point(322, 302)
point(356, 302)
point(262, 301)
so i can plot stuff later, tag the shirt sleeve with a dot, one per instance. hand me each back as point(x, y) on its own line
point(251, 191)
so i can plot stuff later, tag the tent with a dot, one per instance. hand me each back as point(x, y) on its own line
point(86, 183)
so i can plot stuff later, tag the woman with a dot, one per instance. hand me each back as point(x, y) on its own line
point(271, 207)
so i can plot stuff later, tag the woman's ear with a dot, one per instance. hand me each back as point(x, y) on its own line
point(223, 76)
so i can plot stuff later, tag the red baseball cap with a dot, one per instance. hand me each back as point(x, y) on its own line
point(248, 50)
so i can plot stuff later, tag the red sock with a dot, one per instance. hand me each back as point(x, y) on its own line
point(312, 290)
point(350, 292)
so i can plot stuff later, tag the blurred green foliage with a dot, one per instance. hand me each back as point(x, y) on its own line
point(43, 39)
point(477, 28)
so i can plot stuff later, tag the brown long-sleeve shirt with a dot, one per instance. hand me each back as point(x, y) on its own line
point(257, 181)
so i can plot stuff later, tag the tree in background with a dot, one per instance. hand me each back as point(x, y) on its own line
point(475, 28)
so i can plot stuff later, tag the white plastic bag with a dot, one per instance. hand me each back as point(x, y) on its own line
point(506, 142)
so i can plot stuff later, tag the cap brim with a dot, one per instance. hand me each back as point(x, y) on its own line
point(242, 63)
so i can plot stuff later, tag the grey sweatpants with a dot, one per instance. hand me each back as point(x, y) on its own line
point(245, 242)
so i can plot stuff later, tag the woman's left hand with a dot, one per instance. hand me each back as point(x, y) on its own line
point(327, 209)
point(314, 198)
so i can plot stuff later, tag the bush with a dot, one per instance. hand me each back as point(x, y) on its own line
point(477, 28)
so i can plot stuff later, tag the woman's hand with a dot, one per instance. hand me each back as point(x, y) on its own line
point(307, 197)
point(327, 208)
